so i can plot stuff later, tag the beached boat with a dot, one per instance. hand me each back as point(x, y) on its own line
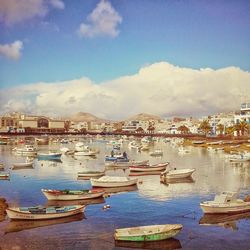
point(26, 150)
point(113, 181)
point(149, 168)
point(41, 213)
point(20, 165)
point(177, 173)
point(72, 194)
point(90, 174)
point(49, 156)
point(226, 202)
point(148, 233)
point(157, 152)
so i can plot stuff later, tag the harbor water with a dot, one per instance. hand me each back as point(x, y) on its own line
point(151, 202)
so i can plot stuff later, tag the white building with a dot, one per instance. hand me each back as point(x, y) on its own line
point(244, 114)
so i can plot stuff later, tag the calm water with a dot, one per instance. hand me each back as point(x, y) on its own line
point(152, 203)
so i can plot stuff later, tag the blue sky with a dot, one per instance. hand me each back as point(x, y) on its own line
point(195, 34)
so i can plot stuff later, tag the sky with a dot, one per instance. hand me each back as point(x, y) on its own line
point(117, 58)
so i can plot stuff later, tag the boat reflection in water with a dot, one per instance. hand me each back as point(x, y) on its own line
point(20, 225)
point(48, 163)
point(52, 203)
point(180, 180)
point(223, 220)
point(113, 190)
point(162, 244)
point(145, 173)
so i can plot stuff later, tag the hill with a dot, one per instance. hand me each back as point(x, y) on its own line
point(85, 117)
point(144, 117)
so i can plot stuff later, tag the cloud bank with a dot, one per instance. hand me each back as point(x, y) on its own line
point(11, 51)
point(161, 88)
point(15, 11)
point(103, 21)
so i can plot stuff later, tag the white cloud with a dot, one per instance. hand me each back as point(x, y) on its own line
point(103, 21)
point(15, 11)
point(58, 4)
point(11, 51)
point(161, 88)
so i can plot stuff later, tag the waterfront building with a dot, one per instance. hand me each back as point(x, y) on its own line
point(16, 122)
point(244, 114)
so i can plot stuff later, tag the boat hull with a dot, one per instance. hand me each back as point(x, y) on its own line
point(226, 209)
point(179, 175)
point(18, 215)
point(69, 197)
point(149, 236)
point(96, 183)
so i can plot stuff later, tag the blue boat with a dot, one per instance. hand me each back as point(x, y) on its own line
point(49, 156)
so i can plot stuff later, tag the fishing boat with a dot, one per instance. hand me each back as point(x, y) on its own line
point(26, 150)
point(90, 174)
point(113, 181)
point(177, 173)
point(126, 164)
point(157, 152)
point(20, 165)
point(1, 166)
point(148, 233)
point(226, 202)
point(86, 152)
point(4, 175)
point(49, 156)
point(66, 195)
point(149, 168)
point(116, 159)
point(41, 213)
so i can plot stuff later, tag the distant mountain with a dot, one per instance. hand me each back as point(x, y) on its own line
point(144, 117)
point(85, 117)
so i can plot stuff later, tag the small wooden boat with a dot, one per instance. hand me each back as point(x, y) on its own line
point(226, 202)
point(113, 181)
point(72, 194)
point(177, 173)
point(148, 233)
point(41, 213)
point(86, 153)
point(198, 142)
point(4, 175)
point(116, 159)
point(126, 164)
point(149, 168)
point(157, 152)
point(21, 165)
point(90, 174)
point(26, 150)
point(49, 156)
point(1, 166)
point(114, 190)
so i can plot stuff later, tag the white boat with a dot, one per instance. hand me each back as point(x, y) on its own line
point(79, 146)
point(22, 165)
point(183, 150)
point(26, 150)
point(148, 233)
point(149, 168)
point(41, 213)
point(177, 173)
point(4, 175)
point(134, 145)
point(157, 152)
point(126, 164)
point(66, 195)
point(49, 155)
point(86, 152)
point(226, 202)
point(91, 174)
point(113, 181)
point(64, 150)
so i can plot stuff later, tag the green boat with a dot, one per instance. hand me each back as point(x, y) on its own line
point(148, 233)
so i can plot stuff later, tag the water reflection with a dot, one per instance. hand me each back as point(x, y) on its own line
point(180, 180)
point(168, 244)
point(20, 225)
point(53, 203)
point(224, 220)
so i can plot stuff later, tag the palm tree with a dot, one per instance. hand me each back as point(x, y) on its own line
point(205, 127)
point(220, 127)
point(230, 130)
point(243, 126)
point(183, 129)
